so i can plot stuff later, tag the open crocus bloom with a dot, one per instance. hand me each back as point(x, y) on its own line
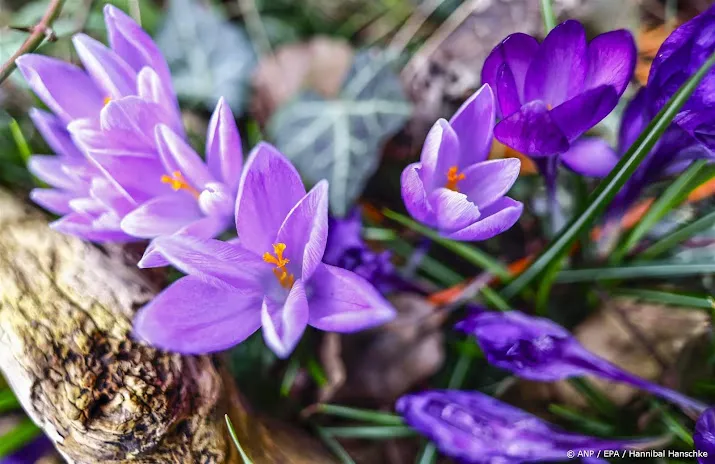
point(551, 93)
point(476, 428)
point(452, 187)
point(275, 278)
point(704, 436)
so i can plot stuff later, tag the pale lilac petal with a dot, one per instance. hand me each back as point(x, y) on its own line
point(150, 87)
point(87, 134)
point(217, 200)
point(414, 195)
point(134, 45)
point(486, 182)
point(110, 73)
point(106, 192)
point(497, 218)
point(139, 179)
point(591, 157)
point(516, 51)
point(474, 124)
point(194, 317)
point(55, 133)
point(131, 122)
point(284, 322)
point(224, 153)
point(452, 210)
point(88, 206)
point(611, 60)
point(439, 153)
point(56, 201)
point(66, 89)
point(50, 169)
point(90, 229)
point(305, 231)
point(581, 113)
point(342, 301)
point(507, 92)
point(163, 215)
point(270, 187)
point(177, 155)
point(558, 70)
point(532, 131)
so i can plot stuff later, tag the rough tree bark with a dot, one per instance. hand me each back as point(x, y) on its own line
point(66, 350)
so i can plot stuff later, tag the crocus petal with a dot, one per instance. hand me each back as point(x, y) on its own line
point(305, 231)
point(89, 229)
point(486, 182)
point(591, 157)
point(64, 88)
point(532, 131)
point(507, 92)
point(162, 215)
point(49, 169)
point(56, 201)
point(581, 113)
point(110, 73)
point(558, 70)
point(270, 187)
point(106, 192)
point(55, 133)
point(216, 200)
point(134, 45)
point(177, 155)
point(150, 87)
point(611, 60)
point(224, 154)
point(474, 123)
point(414, 195)
point(342, 301)
point(131, 122)
point(704, 436)
point(516, 51)
point(139, 179)
point(635, 119)
point(452, 210)
point(195, 317)
point(284, 323)
point(439, 152)
point(495, 219)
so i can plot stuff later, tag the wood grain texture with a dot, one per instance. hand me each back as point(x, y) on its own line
point(67, 351)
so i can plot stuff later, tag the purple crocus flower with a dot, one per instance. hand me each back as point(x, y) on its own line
point(704, 436)
point(274, 278)
point(476, 428)
point(538, 349)
point(452, 188)
point(30, 453)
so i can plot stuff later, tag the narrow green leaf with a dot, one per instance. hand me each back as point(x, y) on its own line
point(469, 253)
point(678, 236)
point(668, 298)
point(289, 377)
point(367, 415)
point(371, 433)
point(671, 198)
point(591, 425)
point(316, 371)
point(334, 446)
point(650, 270)
point(234, 437)
point(673, 424)
point(428, 455)
point(547, 12)
point(8, 401)
point(22, 434)
point(22, 146)
point(594, 396)
point(608, 188)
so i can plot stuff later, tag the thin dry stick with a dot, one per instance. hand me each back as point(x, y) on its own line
point(403, 36)
point(38, 33)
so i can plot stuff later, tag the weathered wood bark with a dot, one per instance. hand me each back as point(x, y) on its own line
point(67, 351)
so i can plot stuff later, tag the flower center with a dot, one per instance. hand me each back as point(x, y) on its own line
point(107, 100)
point(177, 182)
point(284, 277)
point(453, 176)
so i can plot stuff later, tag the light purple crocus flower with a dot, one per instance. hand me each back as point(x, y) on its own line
point(274, 278)
point(704, 436)
point(538, 349)
point(475, 428)
point(452, 188)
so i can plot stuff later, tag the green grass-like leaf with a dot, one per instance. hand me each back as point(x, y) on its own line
point(668, 298)
point(650, 270)
point(607, 189)
point(8, 401)
point(234, 437)
point(678, 236)
point(547, 13)
point(371, 432)
point(21, 435)
point(366, 415)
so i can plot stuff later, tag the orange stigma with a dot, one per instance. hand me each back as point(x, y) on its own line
point(286, 280)
point(107, 100)
point(177, 182)
point(453, 177)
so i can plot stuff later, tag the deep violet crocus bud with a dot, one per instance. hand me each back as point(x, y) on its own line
point(704, 437)
point(538, 349)
point(475, 428)
point(453, 188)
point(274, 278)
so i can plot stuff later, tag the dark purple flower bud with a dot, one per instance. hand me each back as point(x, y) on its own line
point(475, 428)
point(704, 436)
point(539, 349)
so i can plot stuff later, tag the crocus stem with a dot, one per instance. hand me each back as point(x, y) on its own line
point(548, 166)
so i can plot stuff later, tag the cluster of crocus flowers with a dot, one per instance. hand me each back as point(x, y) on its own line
point(538, 349)
point(274, 278)
point(123, 169)
point(476, 428)
point(453, 188)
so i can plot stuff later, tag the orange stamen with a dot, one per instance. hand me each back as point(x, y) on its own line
point(107, 100)
point(453, 177)
point(177, 182)
point(284, 277)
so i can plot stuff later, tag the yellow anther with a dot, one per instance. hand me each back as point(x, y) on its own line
point(453, 177)
point(284, 277)
point(107, 100)
point(177, 182)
